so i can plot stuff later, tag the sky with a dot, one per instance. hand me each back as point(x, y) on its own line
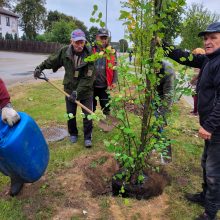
point(82, 9)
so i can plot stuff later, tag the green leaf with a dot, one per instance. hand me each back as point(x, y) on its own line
point(95, 7)
point(190, 57)
point(89, 117)
point(124, 15)
point(182, 59)
point(126, 202)
point(100, 15)
point(71, 115)
point(92, 20)
point(128, 131)
point(102, 24)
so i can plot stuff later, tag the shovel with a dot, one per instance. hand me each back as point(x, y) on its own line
point(108, 124)
point(66, 94)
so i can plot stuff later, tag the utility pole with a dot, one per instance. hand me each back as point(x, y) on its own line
point(106, 13)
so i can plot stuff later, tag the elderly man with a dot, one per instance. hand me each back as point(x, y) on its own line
point(209, 113)
point(78, 81)
point(106, 77)
point(10, 117)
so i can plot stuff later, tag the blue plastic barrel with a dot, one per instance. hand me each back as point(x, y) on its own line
point(23, 149)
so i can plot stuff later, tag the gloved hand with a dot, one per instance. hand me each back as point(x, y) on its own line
point(37, 72)
point(73, 96)
point(10, 116)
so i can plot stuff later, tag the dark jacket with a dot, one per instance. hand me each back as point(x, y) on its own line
point(105, 75)
point(75, 78)
point(208, 85)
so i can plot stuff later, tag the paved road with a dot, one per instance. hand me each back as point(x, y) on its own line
point(16, 67)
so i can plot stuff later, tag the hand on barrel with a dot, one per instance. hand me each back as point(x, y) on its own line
point(10, 116)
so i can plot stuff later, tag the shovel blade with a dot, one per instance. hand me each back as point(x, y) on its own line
point(108, 124)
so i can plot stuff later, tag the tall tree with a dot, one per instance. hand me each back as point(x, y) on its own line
point(32, 14)
point(61, 31)
point(197, 18)
point(172, 27)
point(123, 44)
point(55, 16)
point(92, 34)
point(7, 4)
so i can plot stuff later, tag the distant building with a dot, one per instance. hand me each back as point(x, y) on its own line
point(8, 23)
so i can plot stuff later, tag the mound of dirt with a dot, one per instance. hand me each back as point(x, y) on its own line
point(99, 174)
point(73, 192)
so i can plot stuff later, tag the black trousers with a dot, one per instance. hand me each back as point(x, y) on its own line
point(87, 124)
point(211, 173)
point(104, 99)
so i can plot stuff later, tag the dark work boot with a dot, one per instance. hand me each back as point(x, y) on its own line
point(205, 216)
point(196, 198)
point(16, 186)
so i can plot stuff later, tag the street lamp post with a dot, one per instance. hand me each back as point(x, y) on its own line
point(106, 14)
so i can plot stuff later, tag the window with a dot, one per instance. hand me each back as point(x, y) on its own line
point(0, 19)
point(7, 21)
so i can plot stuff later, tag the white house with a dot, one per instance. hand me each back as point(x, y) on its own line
point(8, 22)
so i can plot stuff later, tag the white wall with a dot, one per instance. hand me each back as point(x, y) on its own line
point(12, 29)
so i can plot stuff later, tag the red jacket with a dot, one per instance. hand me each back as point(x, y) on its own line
point(109, 68)
point(4, 96)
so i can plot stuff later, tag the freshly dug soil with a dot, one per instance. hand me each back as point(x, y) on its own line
point(134, 108)
point(153, 185)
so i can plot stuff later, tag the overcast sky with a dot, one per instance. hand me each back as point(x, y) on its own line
point(82, 10)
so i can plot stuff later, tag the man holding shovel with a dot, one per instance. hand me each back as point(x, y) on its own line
point(10, 117)
point(78, 81)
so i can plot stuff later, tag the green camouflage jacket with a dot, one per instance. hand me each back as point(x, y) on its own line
point(79, 78)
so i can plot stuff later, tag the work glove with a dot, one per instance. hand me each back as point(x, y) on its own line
point(73, 96)
point(37, 72)
point(9, 115)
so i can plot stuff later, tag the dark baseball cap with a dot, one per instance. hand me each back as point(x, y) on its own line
point(78, 34)
point(102, 32)
point(212, 28)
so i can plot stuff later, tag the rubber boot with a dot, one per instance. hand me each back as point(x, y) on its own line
point(16, 186)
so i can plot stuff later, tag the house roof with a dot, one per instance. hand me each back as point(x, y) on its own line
point(6, 12)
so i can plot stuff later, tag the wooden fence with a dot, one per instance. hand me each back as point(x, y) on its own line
point(29, 46)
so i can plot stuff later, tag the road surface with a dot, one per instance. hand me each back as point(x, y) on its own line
point(17, 67)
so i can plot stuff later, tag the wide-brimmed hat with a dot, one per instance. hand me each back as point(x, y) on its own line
point(212, 28)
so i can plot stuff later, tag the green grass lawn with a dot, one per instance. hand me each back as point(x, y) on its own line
point(46, 105)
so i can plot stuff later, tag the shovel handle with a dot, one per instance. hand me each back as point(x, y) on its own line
point(66, 94)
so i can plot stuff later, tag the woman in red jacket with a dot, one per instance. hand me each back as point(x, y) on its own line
point(10, 117)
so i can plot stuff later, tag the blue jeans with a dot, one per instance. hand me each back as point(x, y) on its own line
point(211, 173)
